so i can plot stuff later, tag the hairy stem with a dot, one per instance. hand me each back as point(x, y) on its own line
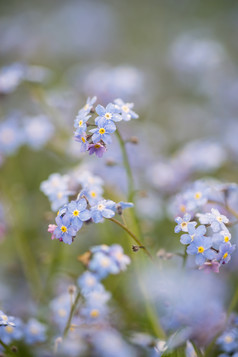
point(132, 236)
point(71, 314)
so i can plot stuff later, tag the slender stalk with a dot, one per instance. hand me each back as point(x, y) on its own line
point(71, 314)
point(185, 255)
point(233, 302)
point(7, 348)
point(229, 209)
point(150, 310)
point(132, 236)
point(127, 166)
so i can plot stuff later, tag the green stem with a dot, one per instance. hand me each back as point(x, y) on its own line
point(185, 255)
point(127, 166)
point(229, 209)
point(233, 302)
point(71, 314)
point(7, 348)
point(132, 235)
point(150, 310)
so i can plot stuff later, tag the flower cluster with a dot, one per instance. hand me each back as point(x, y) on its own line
point(97, 139)
point(34, 132)
point(92, 311)
point(12, 329)
point(210, 241)
point(89, 205)
point(228, 340)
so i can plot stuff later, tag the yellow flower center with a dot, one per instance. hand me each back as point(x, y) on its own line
point(9, 329)
point(102, 131)
point(125, 108)
point(63, 229)
point(198, 195)
point(93, 194)
point(76, 213)
point(100, 207)
point(90, 281)
point(219, 218)
point(34, 330)
point(94, 313)
point(225, 255)
point(4, 317)
point(108, 116)
point(80, 123)
point(184, 224)
point(228, 339)
point(105, 262)
point(182, 208)
point(200, 249)
point(97, 146)
point(83, 139)
point(59, 195)
point(226, 239)
point(62, 312)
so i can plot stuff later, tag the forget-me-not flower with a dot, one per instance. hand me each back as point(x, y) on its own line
point(103, 131)
point(201, 247)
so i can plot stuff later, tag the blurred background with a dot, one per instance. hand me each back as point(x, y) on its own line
point(176, 60)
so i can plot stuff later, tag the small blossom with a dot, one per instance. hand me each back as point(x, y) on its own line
point(225, 251)
point(201, 247)
point(125, 110)
point(78, 213)
point(109, 114)
point(98, 149)
point(34, 332)
point(51, 229)
point(103, 209)
point(182, 223)
point(193, 233)
point(105, 128)
point(81, 138)
point(64, 229)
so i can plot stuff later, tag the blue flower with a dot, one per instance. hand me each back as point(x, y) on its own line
point(110, 113)
point(108, 260)
point(193, 233)
point(182, 223)
point(34, 331)
point(11, 137)
point(38, 131)
point(215, 219)
point(6, 320)
point(197, 196)
point(105, 128)
point(60, 307)
point(11, 76)
point(120, 206)
point(88, 106)
point(88, 282)
point(92, 193)
point(12, 331)
point(80, 124)
point(96, 308)
point(56, 188)
point(201, 247)
point(78, 213)
point(228, 341)
point(125, 110)
point(103, 209)
point(225, 251)
point(64, 230)
point(81, 138)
